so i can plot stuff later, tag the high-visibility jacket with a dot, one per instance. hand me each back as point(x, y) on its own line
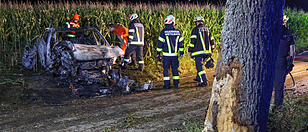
point(136, 33)
point(201, 41)
point(123, 31)
point(170, 41)
point(72, 24)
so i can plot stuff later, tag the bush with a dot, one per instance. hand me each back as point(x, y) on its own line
point(298, 22)
point(291, 117)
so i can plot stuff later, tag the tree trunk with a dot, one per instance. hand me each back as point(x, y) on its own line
point(243, 82)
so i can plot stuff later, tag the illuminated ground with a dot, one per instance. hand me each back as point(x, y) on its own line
point(151, 111)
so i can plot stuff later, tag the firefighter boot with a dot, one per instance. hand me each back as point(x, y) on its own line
point(124, 65)
point(166, 87)
point(141, 67)
point(197, 79)
point(176, 86)
point(203, 84)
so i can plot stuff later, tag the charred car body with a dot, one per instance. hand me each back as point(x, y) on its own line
point(84, 64)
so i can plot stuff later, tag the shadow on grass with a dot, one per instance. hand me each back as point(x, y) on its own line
point(292, 116)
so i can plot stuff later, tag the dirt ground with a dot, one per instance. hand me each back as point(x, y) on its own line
point(154, 110)
point(300, 74)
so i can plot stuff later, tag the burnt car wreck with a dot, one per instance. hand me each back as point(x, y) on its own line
point(84, 64)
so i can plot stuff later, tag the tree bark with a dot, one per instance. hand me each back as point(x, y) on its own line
point(243, 82)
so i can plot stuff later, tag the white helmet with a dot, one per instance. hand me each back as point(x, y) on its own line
point(133, 16)
point(169, 19)
point(285, 18)
point(199, 18)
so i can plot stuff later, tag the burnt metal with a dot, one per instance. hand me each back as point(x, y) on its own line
point(84, 65)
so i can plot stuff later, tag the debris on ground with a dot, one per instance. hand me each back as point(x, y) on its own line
point(28, 58)
point(300, 89)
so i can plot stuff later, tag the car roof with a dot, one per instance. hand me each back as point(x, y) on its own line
point(71, 29)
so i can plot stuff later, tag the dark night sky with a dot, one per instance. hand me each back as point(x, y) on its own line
point(299, 4)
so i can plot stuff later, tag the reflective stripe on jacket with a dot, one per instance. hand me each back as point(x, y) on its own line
point(201, 41)
point(136, 33)
point(72, 24)
point(170, 41)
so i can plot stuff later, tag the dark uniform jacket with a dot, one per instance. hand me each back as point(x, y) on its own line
point(135, 33)
point(170, 41)
point(201, 41)
point(286, 41)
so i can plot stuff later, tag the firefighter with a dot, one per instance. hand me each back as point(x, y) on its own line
point(73, 23)
point(135, 41)
point(284, 62)
point(170, 42)
point(200, 48)
point(122, 33)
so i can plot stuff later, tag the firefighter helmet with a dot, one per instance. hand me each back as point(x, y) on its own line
point(285, 18)
point(199, 18)
point(170, 19)
point(75, 16)
point(133, 16)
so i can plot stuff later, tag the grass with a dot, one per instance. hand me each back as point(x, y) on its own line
point(13, 91)
point(292, 116)
point(193, 126)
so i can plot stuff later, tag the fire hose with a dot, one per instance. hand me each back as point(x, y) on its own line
point(292, 78)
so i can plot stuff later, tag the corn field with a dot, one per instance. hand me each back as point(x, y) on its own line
point(20, 24)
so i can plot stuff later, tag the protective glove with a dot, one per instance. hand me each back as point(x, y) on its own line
point(290, 67)
point(290, 64)
point(209, 63)
point(76, 26)
point(159, 58)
